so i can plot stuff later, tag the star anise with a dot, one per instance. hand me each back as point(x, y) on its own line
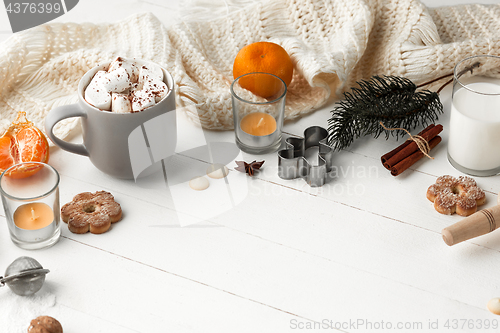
point(248, 168)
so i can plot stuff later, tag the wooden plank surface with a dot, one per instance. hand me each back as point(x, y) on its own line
point(274, 255)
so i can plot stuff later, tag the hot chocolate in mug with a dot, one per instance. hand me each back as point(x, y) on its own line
point(107, 135)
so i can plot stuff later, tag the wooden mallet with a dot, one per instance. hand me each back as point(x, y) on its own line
point(479, 223)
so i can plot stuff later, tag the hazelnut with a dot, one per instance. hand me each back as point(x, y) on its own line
point(45, 324)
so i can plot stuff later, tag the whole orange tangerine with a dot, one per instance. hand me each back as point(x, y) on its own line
point(22, 142)
point(264, 57)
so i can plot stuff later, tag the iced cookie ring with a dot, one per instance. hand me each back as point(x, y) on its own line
point(456, 195)
point(92, 212)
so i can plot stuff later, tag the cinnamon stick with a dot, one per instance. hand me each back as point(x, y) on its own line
point(410, 160)
point(393, 152)
point(412, 147)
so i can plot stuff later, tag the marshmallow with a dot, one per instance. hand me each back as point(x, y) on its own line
point(99, 78)
point(136, 87)
point(116, 81)
point(96, 95)
point(150, 72)
point(127, 87)
point(120, 103)
point(129, 65)
point(142, 100)
point(158, 88)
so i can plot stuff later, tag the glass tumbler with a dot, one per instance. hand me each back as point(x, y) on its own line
point(474, 140)
point(258, 101)
point(30, 198)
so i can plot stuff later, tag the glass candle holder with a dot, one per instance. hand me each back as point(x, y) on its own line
point(473, 144)
point(258, 111)
point(30, 197)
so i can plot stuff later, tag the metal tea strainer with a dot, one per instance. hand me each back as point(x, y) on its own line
point(25, 276)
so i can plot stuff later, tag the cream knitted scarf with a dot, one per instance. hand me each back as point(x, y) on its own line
point(333, 43)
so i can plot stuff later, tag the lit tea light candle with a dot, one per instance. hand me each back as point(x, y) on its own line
point(34, 222)
point(31, 206)
point(258, 123)
point(33, 216)
point(258, 129)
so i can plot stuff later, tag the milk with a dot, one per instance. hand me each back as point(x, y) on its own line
point(474, 141)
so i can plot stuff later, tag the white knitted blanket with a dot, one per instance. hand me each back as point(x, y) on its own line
point(333, 43)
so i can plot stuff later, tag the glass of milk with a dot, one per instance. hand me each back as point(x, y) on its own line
point(474, 141)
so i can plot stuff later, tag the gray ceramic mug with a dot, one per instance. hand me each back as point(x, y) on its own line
point(106, 134)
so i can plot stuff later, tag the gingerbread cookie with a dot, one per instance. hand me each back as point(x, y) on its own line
point(92, 212)
point(456, 195)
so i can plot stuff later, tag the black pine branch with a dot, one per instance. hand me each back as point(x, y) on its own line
point(392, 100)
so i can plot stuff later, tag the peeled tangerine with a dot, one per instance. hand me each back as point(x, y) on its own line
point(22, 142)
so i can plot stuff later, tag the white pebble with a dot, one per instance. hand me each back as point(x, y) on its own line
point(199, 183)
point(96, 95)
point(120, 103)
point(217, 171)
point(494, 306)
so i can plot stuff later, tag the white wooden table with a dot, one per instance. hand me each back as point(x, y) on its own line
point(363, 250)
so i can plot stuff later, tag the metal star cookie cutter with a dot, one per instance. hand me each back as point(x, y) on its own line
point(292, 163)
